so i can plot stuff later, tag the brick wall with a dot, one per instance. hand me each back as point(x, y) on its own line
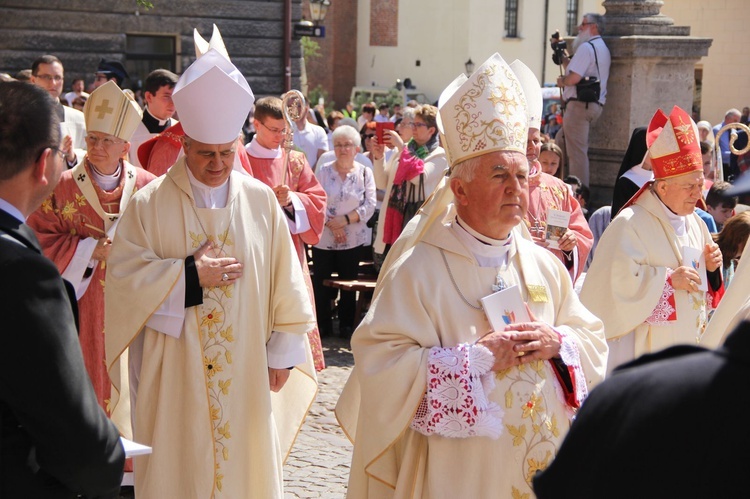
point(384, 23)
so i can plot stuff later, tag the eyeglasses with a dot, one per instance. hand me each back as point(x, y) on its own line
point(368, 136)
point(348, 145)
point(417, 124)
point(49, 78)
point(55, 149)
point(273, 130)
point(93, 140)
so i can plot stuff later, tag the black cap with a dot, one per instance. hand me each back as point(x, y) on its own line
point(114, 68)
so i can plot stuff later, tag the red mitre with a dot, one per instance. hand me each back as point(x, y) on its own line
point(159, 153)
point(675, 149)
point(673, 146)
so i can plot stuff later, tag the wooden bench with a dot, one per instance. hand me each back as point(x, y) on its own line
point(364, 288)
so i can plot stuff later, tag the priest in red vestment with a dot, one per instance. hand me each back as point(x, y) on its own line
point(297, 190)
point(76, 224)
point(548, 194)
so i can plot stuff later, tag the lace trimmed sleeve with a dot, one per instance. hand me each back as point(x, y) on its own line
point(456, 404)
point(665, 310)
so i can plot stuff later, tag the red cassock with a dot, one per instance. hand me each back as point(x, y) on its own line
point(302, 181)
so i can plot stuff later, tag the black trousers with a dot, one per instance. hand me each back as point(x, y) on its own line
point(346, 264)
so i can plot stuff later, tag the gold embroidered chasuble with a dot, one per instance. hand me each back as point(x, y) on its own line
point(78, 209)
point(416, 308)
point(626, 279)
point(203, 399)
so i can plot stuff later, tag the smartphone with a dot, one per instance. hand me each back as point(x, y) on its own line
point(380, 126)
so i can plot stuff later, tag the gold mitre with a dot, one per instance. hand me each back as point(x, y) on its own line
point(483, 113)
point(108, 110)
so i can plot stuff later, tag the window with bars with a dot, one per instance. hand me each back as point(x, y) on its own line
point(511, 18)
point(571, 19)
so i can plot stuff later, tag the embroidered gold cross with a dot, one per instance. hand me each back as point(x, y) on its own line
point(103, 109)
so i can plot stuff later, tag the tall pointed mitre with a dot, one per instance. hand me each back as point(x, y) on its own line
point(674, 144)
point(674, 147)
point(483, 113)
point(216, 42)
point(109, 110)
point(532, 91)
point(212, 97)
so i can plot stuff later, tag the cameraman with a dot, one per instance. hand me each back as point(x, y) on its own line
point(591, 59)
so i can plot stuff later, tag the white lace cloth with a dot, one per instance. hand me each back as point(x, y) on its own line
point(571, 357)
point(663, 310)
point(456, 404)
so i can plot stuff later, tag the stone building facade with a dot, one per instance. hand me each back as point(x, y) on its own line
point(81, 32)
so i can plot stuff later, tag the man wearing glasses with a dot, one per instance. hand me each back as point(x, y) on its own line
point(297, 190)
point(47, 72)
point(591, 59)
point(76, 223)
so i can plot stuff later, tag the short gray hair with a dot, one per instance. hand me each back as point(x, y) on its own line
point(597, 19)
point(465, 170)
point(347, 132)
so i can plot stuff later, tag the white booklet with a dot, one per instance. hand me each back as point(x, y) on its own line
point(134, 448)
point(557, 224)
point(505, 307)
point(692, 257)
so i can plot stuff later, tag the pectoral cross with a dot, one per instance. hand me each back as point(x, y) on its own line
point(538, 228)
point(500, 283)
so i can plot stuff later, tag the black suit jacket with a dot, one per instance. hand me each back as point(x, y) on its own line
point(671, 424)
point(55, 440)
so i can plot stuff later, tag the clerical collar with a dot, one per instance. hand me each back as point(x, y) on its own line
point(206, 196)
point(676, 221)
point(154, 124)
point(256, 150)
point(107, 183)
point(487, 251)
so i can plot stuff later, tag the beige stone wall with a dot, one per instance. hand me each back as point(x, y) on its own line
point(443, 34)
point(726, 72)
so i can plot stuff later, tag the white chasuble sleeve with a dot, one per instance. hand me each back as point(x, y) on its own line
point(74, 272)
point(285, 350)
point(300, 222)
point(170, 316)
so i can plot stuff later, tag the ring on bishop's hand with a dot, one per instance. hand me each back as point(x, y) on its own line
point(224, 277)
point(521, 354)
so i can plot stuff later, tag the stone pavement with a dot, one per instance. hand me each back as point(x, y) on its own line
point(319, 463)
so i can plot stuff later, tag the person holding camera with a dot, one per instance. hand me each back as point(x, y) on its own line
point(584, 89)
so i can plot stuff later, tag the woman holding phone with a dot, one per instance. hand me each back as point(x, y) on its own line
point(421, 158)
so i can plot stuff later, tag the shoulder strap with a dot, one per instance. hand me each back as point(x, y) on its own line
point(596, 59)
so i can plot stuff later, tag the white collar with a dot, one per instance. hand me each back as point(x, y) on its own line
point(676, 221)
point(256, 150)
point(106, 182)
point(487, 251)
point(206, 196)
point(161, 122)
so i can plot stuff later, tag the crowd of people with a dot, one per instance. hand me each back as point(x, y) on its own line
point(167, 276)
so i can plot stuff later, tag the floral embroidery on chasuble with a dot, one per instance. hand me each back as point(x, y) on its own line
point(217, 340)
point(78, 209)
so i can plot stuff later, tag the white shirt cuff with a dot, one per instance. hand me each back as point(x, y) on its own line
point(285, 349)
point(300, 223)
point(79, 263)
point(170, 316)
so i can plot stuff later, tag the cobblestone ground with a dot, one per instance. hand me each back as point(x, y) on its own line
point(319, 463)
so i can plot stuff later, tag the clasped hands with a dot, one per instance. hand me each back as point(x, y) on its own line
point(687, 278)
point(522, 343)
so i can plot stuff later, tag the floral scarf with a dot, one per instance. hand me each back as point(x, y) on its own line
point(410, 164)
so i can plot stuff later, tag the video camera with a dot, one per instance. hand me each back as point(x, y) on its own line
point(559, 48)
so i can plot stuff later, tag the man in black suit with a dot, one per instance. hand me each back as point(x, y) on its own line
point(669, 424)
point(55, 441)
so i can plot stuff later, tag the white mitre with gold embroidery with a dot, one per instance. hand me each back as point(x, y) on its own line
point(212, 97)
point(109, 110)
point(532, 91)
point(483, 113)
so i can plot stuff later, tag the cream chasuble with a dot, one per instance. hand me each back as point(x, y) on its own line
point(626, 279)
point(203, 401)
point(418, 307)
